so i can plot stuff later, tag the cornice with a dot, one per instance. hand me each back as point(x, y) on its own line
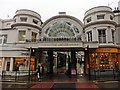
point(100, 22)
point(26, 24)
point(28, 15)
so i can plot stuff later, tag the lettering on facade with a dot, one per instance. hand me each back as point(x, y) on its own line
point(107, 50)
point(25, 54)
point(61, 44)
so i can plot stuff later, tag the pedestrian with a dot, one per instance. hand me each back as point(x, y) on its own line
point(16, 67)
point(39, 73)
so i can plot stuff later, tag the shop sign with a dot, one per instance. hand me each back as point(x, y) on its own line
point(62, 44)
point(25, 54)
point(106, 50)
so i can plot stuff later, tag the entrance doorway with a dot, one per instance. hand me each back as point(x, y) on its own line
point(80, 62)
point(57, 62)
point(61, 62)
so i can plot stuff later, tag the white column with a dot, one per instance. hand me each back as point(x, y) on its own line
point(94, 34)
point(28, 34)
point(3, 64)
point(37, 37)
point(11, 63)
point(109, 35)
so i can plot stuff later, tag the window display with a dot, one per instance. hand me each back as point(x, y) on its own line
point(103, 60)
point(23, 63)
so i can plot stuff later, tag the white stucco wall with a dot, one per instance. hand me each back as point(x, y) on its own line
point(0, 23)
point(96, 24)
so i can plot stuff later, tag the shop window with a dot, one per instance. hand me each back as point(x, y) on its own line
point(102, 35)
point(32, 65)
point(22, 64)
point(89, 34)
point(103, 60)
point(100, 16)
point(8, 66)
point(22, 35)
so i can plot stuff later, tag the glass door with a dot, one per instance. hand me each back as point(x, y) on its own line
point(80, 62)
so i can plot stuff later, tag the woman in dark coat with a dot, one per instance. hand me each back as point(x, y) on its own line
point(39, 71)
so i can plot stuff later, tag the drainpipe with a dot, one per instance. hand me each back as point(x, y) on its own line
point(29, 65)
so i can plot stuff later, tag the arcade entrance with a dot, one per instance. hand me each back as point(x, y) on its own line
point(62, 62)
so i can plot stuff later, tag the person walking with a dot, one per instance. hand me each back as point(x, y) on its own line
point(39, 71)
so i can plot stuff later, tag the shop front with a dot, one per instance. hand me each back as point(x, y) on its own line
point(19, 64)
point(103, 62)
point(23, 64)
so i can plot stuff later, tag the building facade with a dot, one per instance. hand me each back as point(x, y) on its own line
point(26, 41)
point(25, 25)
point(100, 29)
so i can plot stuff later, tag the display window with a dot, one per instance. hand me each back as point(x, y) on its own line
point(22, 64)
point(7, 64)
point(103, 60)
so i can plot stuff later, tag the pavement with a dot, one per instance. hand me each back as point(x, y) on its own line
point(108, 84)
point(62, 82)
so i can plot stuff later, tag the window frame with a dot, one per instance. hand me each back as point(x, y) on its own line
point(32, 36)
point(23, 19)
point(100, 16)
point(89, 36)
point(102, 37)
point(111, 17)
point(24, 38)
point(3, 38)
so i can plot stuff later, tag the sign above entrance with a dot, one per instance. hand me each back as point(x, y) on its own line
point(106, 50)
point(61, 45)
point(25, 54)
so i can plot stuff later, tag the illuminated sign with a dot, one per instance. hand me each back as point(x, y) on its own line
point(106, 50)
